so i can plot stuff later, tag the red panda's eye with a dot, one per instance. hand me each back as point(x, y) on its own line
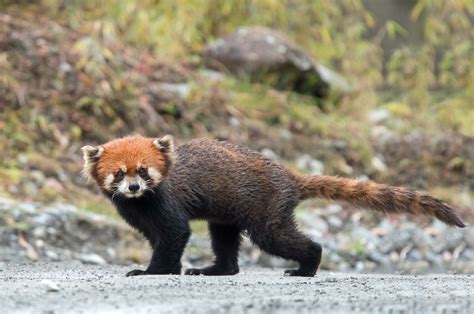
point(119, 174)
point(142, 171)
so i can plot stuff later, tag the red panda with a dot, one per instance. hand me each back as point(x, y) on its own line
point(158, 190)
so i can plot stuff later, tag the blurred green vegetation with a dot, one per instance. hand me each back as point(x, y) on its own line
point(435, 75)
point(118, 49)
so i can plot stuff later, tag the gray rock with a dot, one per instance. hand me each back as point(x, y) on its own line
point(286, 134)
point(50, 285)
point(379, 258)
point(52, 255)
point(414, 255)
point(233, 121)
point(448, 240)
point(333, 209)
point(467, 254)
point(267, 152)
point(359, 266)
point(314, 166)
point(379, 115)
point(266, 55)
point(335, 222)
point(43, 219)
point(38, 176)
point(313, 221)
point(27, 208)
point(469, 237)
point(212, 75)
point(182, 89)
point(382, 135)
point(39, 232)
point(378, 164)
point(92, 259)
point(111, 252)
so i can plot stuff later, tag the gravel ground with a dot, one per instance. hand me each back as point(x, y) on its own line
point(73, 287)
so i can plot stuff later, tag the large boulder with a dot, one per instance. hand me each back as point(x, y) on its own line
point(268, 56)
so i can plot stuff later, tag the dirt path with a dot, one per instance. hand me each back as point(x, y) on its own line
point(89, 289)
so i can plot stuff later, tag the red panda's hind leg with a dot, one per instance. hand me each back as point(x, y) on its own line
point(225, 244)
point(286, 241)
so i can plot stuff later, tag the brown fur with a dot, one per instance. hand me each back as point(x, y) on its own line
point(234, 189)
point(379, 197)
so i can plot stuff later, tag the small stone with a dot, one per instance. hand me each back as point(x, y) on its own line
point(39, 232)
point(330, 279)
point(467, 254)
point(267, 152)
point(212, 75)
point(92, 259)
point(111, 252)
point(51, 231)
point(182, 90)
point(394, 257)
point(333, 209)
point(52, 255)
point(379, 115)
point(359, 266)
point(335, 222)
point(27, 208)
point(378, 164)
point(314, 166)
point(65, 67)
point(39, 243)
point(414, 255)
point(50, 286)
point(233, 121)
point(447, 256)
point(379, 258)
point(286, 134)
point(315, 222)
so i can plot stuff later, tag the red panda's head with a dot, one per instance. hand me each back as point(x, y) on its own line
point(129, 166)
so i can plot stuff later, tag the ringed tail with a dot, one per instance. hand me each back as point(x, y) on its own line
point(378, 197)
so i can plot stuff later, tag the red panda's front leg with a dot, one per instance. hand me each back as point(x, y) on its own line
point(167, 252)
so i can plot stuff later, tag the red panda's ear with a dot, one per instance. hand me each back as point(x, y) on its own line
point(91, 155)
point(165, 145)
point(91, 152)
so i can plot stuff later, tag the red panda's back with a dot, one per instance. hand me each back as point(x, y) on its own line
point(232, 177)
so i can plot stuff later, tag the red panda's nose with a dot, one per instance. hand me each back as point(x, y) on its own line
point(134, 187)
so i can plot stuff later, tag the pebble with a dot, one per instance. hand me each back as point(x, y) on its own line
point(267, 152)
point(314, 166)
point(379, 115)
point(50, 285)
point(92, 259)
point(335, 222)
point(378, 164)
point(52, 255)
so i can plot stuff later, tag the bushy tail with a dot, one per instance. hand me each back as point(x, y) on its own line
point(378, 197)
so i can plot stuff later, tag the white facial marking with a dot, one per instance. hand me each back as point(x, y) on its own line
point(108, 182)
point(123, 187)
point(154, 174)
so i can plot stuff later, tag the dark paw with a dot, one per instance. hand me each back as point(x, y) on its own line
point(212, 271)
point(299, 273)
point(136, 272)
